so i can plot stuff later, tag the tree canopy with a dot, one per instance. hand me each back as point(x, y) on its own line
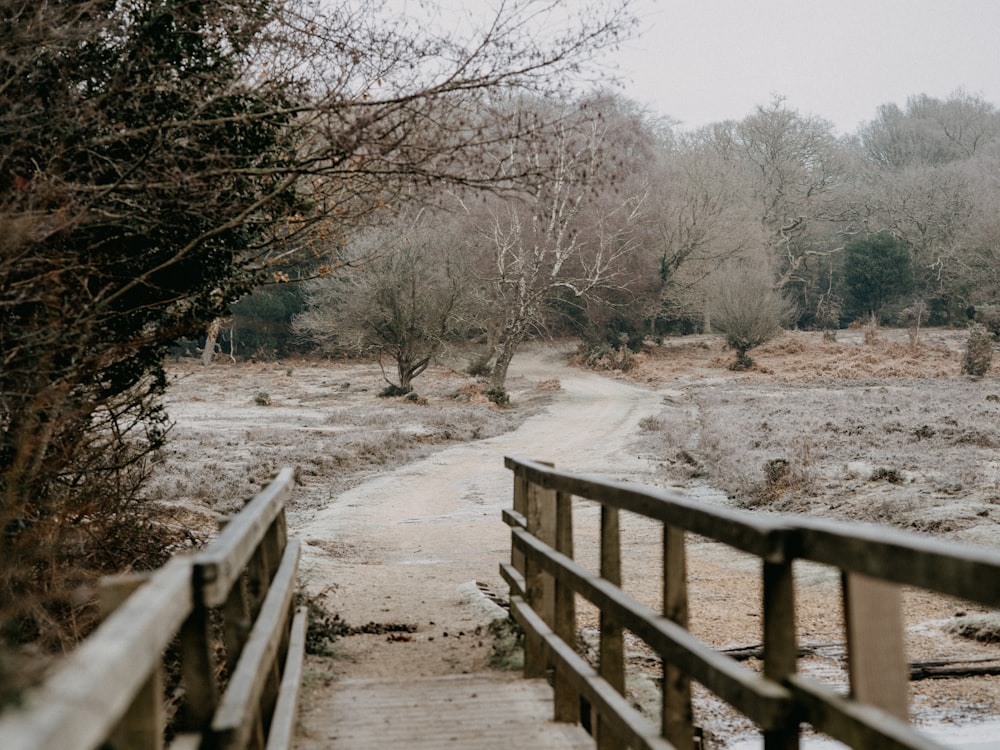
point(160, 158)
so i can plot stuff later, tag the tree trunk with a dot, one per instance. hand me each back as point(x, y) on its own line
point(505, 353)
point(210, 338)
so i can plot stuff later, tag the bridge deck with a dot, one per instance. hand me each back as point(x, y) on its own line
point(494, 711)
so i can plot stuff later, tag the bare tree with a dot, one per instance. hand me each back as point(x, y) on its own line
point(406, 297)
point(747, 308)
point(792, 167)
point(571, 232)
point(700, 213)
point(160, 159)
point(929, 131)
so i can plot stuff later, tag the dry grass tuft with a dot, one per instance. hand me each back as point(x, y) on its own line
point(984, 628)
point(325, 419)
point(888, 432)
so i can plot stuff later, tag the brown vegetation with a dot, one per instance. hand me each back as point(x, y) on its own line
point(883, 432)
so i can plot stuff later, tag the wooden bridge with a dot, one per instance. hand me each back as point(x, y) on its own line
point(226, 615)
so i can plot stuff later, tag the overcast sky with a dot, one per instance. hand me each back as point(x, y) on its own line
point(701, 61)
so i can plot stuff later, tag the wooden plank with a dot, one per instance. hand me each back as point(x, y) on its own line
point(761, 536)
point(280, 538)
point(567, 699)
point(611, 660)
point(762, 700)
point(236, 620)
point(514, 519)
point(198, 672)
point(258, 578)
point(219, 566)
point(539, 586)
point(234, 720)
point(542, 524)
point(947, 567)
point(514, 580)
point(493, 711)
point(876, 658)
point(780, 644)
point(66, 712)
point(142, 726)
point(631, 728)
point(677, 720)
point(855, 724)
point(282, 732)
point(612, 653)
point(520, 503)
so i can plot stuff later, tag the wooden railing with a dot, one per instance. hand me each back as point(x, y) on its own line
point(545, 581)
point(225, 611)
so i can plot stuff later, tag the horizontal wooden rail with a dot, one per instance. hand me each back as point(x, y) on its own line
point(282, 730)
point(628, 724)
point(69, 711)
point(238, 716)
point(874, 561)
point(959, 570)
point(853, 723)
point(758, 535)
point(233, 598)
point(765, 702)
point(221, 564)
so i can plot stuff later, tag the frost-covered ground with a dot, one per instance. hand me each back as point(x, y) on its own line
point(885, 432)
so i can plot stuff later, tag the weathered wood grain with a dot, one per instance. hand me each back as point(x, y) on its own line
point(221, 564)
point(67, 712)
point(494, 711)
point(234, 719)
point(282, 732)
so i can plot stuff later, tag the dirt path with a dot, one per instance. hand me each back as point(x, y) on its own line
point(414, 546)
point(409, 546)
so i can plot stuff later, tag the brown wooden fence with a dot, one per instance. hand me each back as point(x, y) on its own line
point(545, 581)
point(226, 610)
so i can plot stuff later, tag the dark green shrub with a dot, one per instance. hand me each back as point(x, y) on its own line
point(479, 366)
point(877, 270)
point(988, 316)
point(978, 352)
point(498, 396)
point(392, 390)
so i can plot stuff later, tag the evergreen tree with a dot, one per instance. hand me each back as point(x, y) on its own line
point(877, 271)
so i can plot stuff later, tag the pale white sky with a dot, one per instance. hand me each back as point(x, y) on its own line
point(701, 61)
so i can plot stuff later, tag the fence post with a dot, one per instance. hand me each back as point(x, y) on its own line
point(258, 575)
point(235, 613)
point(141, 728)
point(567, 700)
point(780, 643)
point(198, 669)
point(541, 519)
point(677, 718)
point(521, 508)
point(876, 658)
point(612, 656)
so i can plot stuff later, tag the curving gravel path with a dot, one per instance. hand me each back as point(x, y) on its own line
point(410, 545)
point(416, 545)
